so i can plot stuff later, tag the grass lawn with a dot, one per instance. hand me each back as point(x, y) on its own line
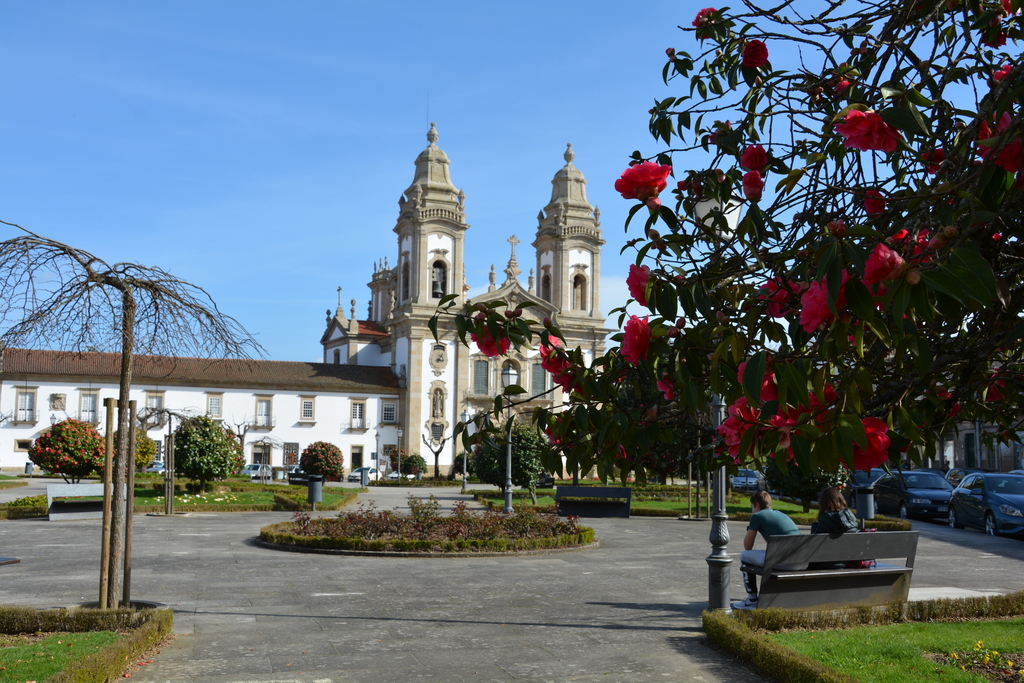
point(31, 658)
point(896, 654)
point(154, 497)
point(6, 476)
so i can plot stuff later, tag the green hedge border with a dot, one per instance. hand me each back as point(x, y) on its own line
point(282, 502)
point(147, 628)
point(742, 633)
point(8, 484)
point(274, 535)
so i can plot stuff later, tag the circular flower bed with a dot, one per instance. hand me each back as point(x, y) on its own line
point(427, 531)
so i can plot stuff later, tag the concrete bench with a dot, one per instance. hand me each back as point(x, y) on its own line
point(86, 509)
point(836, 587)
point(598, 501)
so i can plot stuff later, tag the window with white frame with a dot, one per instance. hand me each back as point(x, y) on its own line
point(389, 411)
point(89, 406)
point(215, 406)
point(264, 416)
point(307, 412)
point(26, 405)
point(154, 408)
point(358, 415)
point(481, 369)
point(539, 379)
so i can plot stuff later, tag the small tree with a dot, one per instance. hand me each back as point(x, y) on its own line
point(322, 458)
point(145, 450)
point(489, 459)
point(71, 449)
point(205, 451)
point(412, 463)
point(796, 483)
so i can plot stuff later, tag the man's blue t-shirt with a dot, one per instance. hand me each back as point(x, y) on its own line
point(772, 523)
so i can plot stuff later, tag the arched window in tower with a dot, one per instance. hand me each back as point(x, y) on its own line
point(579, 293)
point(438, 280)
point(545, 287)
point(405, 280)
point(337, 357)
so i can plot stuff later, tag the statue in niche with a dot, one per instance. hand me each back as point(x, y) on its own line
point(437, 403)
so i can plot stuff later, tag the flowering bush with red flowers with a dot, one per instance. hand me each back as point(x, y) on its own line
point(70, 448)
point(323, 458)
point(867, 268)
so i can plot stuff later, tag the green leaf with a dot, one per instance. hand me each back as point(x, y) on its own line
point(852, 428)
point(942, 281)
point(753, 374)
point(903, 119)
point(970, 258)
point(859, 299)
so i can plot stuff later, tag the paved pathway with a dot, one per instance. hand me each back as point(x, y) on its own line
point(629, 610)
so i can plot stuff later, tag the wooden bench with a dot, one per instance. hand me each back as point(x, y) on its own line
point(826, 588)
point(599, 501)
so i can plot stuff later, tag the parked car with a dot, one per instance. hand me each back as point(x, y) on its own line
point(1016, 472)
point(992, 502)
point(257, 471)
point(157, 467)
point(912, 493)
point(956, 475)
point(372, 473)
point(394, 476)
point(748, 480)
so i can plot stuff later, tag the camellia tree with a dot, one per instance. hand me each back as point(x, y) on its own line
point(491, 457)
point(840, 256)
point(322, 458)
point(71, 449)
point(204, 451)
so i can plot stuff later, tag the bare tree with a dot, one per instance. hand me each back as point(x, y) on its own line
point(53, 295)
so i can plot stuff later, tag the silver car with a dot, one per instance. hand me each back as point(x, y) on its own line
point(747, 480)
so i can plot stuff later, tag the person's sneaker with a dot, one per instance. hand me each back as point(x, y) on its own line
point(746, 604)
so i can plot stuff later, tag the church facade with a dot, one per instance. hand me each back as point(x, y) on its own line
point(443, 380)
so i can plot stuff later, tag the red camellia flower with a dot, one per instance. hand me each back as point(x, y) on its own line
point(636, 339)
point(704, 16)
point(814, 310)
point(769, 389)
point(778, 297)
point(556, 363)
point(741, 418)
point(754, 158)
point(865, 130)
point(883, 264)
point(637, 281)
point(755, 54)
point(489, 346)
point(933, 158)
point(666, 387)
point(874, 202)
point(643, 181)
point(1000, 74)
point(877, 451)
point(753, 185)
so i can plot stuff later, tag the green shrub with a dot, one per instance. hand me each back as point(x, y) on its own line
point(322, 458)
point(69, 448)
point(205, 451)
point(28, 501)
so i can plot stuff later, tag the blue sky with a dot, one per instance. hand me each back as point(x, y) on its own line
point(259, 149)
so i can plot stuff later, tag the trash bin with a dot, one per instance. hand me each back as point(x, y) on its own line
point(28, 468)
point(865, 502)
point(364, 478)
point(314, 490)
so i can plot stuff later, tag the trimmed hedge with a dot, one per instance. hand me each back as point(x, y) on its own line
point(420, 483)
point(12, 484)
point(147, 628)
point(274, 533)
point(742, 632)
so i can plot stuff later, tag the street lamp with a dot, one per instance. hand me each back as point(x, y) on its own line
point(709, 212)
point(465, 421)
point(399, 455)
point(509, 377)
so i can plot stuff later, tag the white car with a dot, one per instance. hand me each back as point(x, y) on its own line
point(394, 476)
point(372, 473)
point(257, 471)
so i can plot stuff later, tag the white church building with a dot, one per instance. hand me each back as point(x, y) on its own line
point(383, 382)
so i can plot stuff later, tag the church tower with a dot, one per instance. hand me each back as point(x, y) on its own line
point(568, 245)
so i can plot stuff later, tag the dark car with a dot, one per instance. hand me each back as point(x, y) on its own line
point(912, 494)
point(991, 502)
point(956, 475)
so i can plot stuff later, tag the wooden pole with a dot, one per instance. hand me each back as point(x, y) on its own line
point(689, 492)
point(126, 598)
point(109, 404)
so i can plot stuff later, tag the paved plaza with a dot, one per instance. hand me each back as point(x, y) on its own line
point(627, 610)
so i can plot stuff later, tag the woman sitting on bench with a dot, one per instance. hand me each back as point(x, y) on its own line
point(833, 515)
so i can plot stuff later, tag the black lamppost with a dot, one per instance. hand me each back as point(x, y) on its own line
point(509, 377)
point(399, 455)
point(718, 561)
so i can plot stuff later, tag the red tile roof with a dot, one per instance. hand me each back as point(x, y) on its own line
point(207, 372)
point(371, 328)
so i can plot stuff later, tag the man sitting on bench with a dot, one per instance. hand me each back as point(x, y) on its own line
point(767, 522)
